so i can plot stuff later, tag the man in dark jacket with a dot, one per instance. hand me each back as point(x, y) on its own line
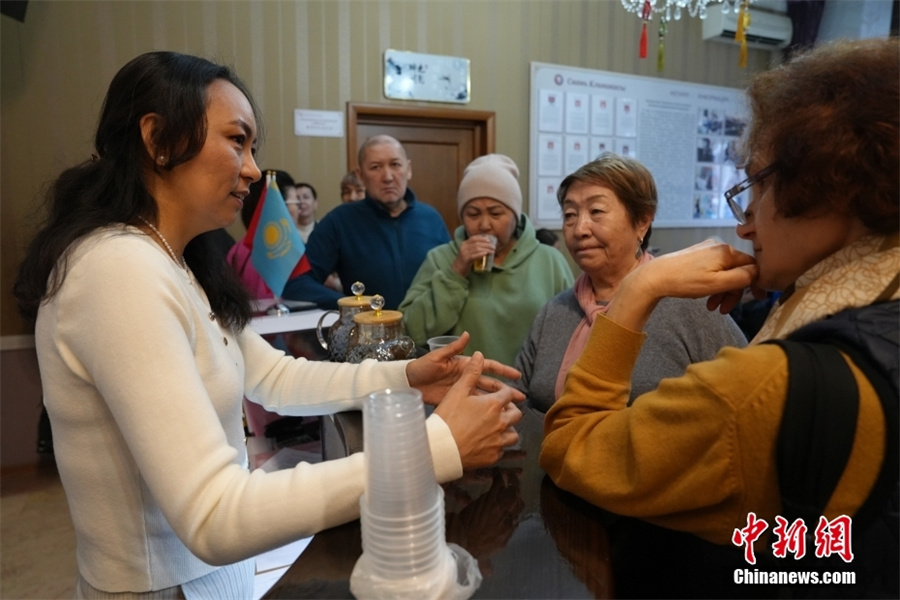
point(380, 241)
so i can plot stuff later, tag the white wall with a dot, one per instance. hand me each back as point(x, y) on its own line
point(855, 19)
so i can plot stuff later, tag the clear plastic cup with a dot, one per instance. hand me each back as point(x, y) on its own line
point(406, 566)
point(402, 547)
point(410, 544)
point(484, 264)
point(404, 539)
point(400, 473)
point(405, 552)
point(404, 528)
point(441, 341)
point(406, 520)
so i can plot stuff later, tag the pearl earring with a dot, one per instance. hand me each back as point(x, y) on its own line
point(160, 160)
point(640, 251)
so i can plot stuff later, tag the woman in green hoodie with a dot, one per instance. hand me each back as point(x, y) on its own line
point(498, 306)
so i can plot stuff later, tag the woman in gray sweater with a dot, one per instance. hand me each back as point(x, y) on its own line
point(608, 206)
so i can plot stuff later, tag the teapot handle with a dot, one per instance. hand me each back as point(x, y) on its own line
point(319, 328)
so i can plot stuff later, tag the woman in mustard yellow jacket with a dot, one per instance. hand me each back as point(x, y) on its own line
point(698, 454)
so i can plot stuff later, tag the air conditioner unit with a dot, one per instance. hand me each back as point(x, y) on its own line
point(768, 31)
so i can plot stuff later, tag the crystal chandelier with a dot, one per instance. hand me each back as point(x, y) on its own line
point(673, 9)
point(669, 10)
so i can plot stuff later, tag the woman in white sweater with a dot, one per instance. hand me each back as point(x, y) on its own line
point(145, 355)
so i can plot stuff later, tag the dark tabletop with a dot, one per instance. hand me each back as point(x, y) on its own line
point(534, 540)
point(531, 539)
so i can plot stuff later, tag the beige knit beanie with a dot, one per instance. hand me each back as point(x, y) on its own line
point(491, 176)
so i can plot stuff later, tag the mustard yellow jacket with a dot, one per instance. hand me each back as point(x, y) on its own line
point(698, 453)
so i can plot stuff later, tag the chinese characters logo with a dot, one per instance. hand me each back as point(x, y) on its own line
point(830, 537)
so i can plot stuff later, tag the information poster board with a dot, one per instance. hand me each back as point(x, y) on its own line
point(687, 134)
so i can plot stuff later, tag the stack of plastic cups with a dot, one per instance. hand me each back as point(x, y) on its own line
point(405, 554)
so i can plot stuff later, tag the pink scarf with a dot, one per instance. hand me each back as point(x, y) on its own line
point(584, 293)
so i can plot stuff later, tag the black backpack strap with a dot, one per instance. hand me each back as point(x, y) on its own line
point(818, 427)
point(890, 405)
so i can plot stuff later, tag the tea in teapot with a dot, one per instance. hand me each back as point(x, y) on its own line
point(339, 332)
point(379, 334)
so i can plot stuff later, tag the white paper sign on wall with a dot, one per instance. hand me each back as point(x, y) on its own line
point(318, 123)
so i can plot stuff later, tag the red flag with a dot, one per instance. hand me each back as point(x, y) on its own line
point(254, 221)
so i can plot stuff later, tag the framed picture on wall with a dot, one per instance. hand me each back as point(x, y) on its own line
point(429, 77)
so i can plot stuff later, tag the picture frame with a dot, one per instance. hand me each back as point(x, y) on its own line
point(426, 77)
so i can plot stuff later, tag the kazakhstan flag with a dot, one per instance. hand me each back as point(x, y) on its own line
point(277, 247)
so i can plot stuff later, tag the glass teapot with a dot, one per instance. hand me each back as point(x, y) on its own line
point(339, 332)
point(379, 334)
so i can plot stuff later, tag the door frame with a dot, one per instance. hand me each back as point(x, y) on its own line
point(481, 123)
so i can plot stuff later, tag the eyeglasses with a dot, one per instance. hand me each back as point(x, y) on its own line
point(742, 187)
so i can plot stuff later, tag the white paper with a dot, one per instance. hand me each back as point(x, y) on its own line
point(626, 147)
point(281, 557)
point(576, 152)
point(599, 145)
point(626, 118)
point(601, 115)
point(550, 110)
point(548, 205)
point(263, 582)
point(577, 111)
point(550, 154)
point(318, 123)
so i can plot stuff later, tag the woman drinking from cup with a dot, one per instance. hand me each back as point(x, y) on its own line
point(494, 276)
point(608, 205)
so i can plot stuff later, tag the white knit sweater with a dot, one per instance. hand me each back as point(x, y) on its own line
point(144, 393)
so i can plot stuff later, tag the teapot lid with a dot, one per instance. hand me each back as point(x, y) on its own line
point(381, 317)
point(357, 300)
point(376, 315)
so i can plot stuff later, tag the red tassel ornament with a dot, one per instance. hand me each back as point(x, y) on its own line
point(643, 47)
point(646, 13)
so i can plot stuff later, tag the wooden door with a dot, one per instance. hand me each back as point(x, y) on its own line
point(440, 142)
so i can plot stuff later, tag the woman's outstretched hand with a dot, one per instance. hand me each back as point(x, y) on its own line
point(436, 372)
point(480, 418)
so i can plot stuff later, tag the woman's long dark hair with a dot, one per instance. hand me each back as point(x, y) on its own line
point(111, 189)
